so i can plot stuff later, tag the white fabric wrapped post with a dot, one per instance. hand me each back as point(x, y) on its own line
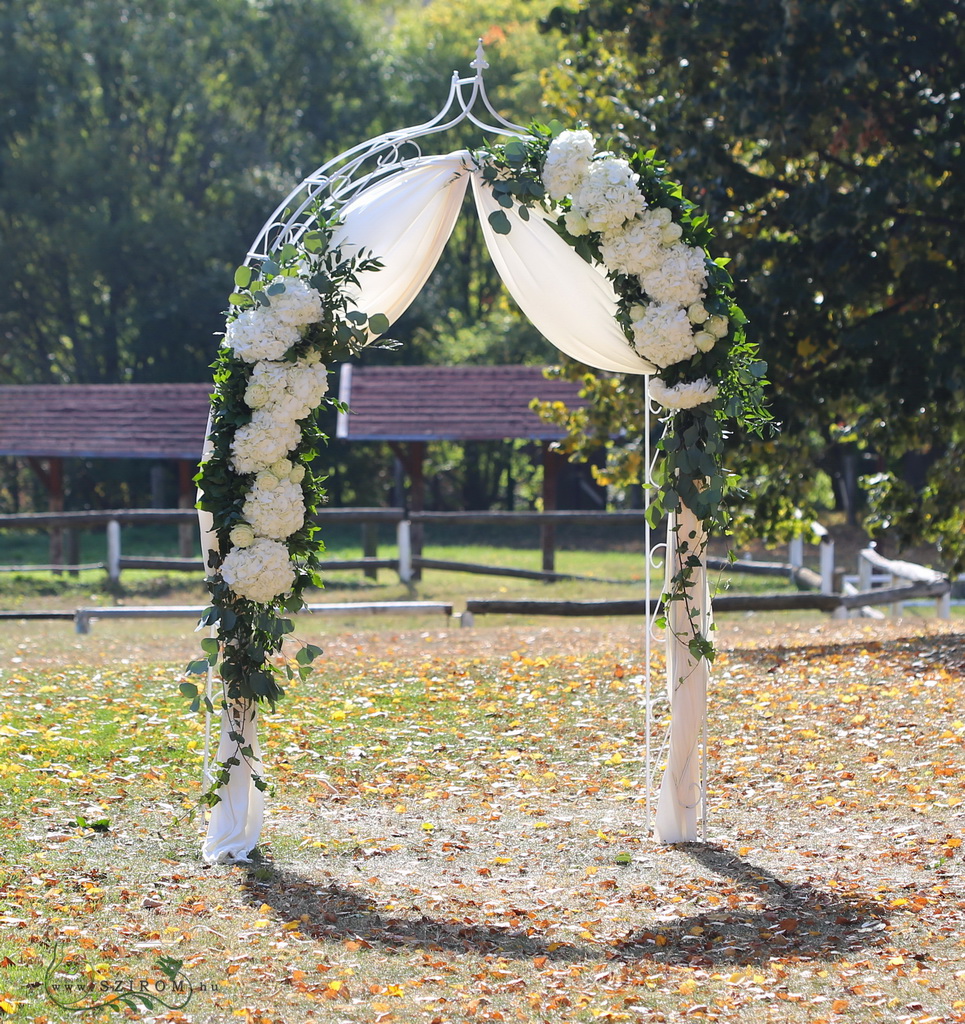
point(236, 820)
point(681, 790)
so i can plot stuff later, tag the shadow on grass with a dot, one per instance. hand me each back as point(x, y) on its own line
point(941, 650)
point(798, 920)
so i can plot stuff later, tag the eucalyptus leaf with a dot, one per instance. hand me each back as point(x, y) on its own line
point(378, 323)
point(499, 222)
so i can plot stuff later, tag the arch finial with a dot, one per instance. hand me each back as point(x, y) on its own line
point(480, 64)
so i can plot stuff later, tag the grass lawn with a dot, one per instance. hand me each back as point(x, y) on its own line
point(459, 830)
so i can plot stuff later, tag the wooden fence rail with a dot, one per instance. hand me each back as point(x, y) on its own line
point(836, 593)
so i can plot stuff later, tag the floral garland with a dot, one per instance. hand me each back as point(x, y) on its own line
point(289, 316)
point(674, 304)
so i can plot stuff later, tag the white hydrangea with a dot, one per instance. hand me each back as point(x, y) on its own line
point(259, 334)
point(263, 441)
point(298, 304)
point(680, 279)
point(566, 164)
point(664, 335)
point(608, 195)
point(686, 395)
point(260, 572)
point(290, 391)
point(275, 512)
point(633, 249)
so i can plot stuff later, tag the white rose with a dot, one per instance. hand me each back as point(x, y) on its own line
point(704, 341)
point(241, 535)
point(297, 475)
point(266, 481)
point(670, 233)
point(697, 313)
point(282, 468)
point(717, 326)
point(661, 216)
point(576, 223)
point(256, 396)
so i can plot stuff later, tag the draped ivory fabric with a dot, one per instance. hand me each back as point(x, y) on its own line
point(236, 820)
point(681, 789)
point(568, 300)
point(405, 220)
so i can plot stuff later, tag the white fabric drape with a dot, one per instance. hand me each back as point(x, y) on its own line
point(235, 822)
point(565, 298)
point(681, 790)
point(405, 221)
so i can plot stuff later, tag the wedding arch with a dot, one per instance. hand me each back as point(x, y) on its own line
point(606, 258)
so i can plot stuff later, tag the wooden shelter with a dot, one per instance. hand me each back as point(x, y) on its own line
point(48, 423)
point(408, 406)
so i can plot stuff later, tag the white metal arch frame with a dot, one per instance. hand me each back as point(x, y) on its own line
point(365, 165)
point(345, 176)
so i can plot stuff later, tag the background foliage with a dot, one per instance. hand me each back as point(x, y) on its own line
point(141, 149)
point(825, 141)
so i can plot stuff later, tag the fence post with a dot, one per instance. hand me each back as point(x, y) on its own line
point(864, 573)
point(404, 535)
point(370, 547)
point(944, 605)
point(795, 552)
point(827, 565)
point(114, 551)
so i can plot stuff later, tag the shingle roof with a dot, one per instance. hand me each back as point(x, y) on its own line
point(138, 421)
point(451, 403)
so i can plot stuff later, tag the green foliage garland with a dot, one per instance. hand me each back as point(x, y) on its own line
point(691, 471)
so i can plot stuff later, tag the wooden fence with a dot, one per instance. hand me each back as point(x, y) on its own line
point(878, 581)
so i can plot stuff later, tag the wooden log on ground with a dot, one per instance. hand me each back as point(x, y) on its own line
point(784, 602)
point(53, 568)
point(497, 570)
point(36, 615)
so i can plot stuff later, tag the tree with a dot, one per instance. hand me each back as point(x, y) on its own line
point(143, 147)
point(825, 141)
